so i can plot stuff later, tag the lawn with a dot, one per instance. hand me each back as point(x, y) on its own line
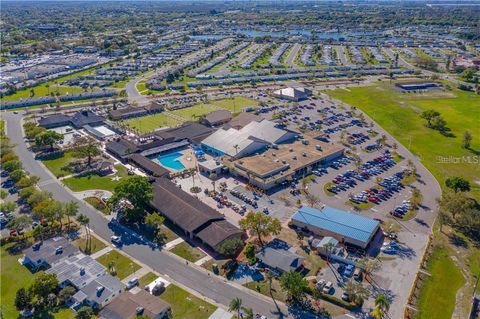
point(440, 289)
point(15, 276)
point(150, 123)
point(92, 181)
point(263, 287)
point(124, 266)
point(184, 305)
point(399, 114)
point(187, 252)
point(146, 279)
point(235, 104)
point(56, 164)
point(194, 112)
point(95, 245)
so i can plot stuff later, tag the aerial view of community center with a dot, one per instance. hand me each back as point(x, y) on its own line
point(239, 159)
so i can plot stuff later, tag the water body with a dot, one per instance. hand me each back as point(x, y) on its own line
point(171, 161)
point(204, 37)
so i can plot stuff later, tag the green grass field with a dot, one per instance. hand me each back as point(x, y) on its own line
point(439, 290)
point(184, 305)
point(187, 252)
point(194, 112)
point(150, 123)
point(56, 164)
point(108, 183)
point(15, 276)
point(124, 266)
point(398, 113)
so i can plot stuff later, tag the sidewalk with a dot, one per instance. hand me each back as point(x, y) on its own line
point(173, 243)
point(101, 252)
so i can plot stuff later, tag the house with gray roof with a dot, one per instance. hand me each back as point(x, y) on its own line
point(280, 259)
point(98, 293)
point(47, 253)
point(78, 270)
point(129, 305)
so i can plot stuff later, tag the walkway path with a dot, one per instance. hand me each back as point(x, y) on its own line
point(173, 243)
point(101, 252)
point(221, 314)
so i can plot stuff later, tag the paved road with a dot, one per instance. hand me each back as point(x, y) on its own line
point(342, 55)
point(290, 60)
point(212, 287)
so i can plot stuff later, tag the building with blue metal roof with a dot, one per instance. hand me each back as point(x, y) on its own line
point(346, 227)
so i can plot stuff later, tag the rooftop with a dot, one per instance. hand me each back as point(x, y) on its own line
point(125, 306)
point(287, 158)
point(338, 221)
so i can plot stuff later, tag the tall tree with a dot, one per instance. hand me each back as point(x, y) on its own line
point(458, 184)
point(44, 284)
point(294, 285)
point(356, 291)
point(23, 299)
point(235, 305)
point(369, 266)
point(88, 149)
point(467, 139)
point(260, 225)
point(429, 115)
point(70, 209)
point(84, 221)
point(137, 191)
point(48, 138)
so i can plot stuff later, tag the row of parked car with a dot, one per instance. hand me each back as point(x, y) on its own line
point(389, 186)
point(400, 210)
point(357, 138)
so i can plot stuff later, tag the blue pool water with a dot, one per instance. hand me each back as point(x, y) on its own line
point(171, 161)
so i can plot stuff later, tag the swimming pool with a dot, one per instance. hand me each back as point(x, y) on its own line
point(171, 161)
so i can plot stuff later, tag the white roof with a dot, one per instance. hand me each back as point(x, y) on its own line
point(291, 92)
point(263, 132)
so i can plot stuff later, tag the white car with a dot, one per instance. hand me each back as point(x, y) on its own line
point(116, 240)
point(132, 283)
point(328, 287)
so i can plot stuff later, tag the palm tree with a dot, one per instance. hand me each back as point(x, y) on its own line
point(382, 303)
point(247, 313)
point(235, 305)
point(356, 291)
point(369, 266)
point(70, 209)
point(328, 250)
point(270, 279)
point(84, 221)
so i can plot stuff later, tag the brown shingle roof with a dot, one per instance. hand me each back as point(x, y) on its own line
point(184, 210)
point(215, 233)
point(219, 116)
point(125, 305)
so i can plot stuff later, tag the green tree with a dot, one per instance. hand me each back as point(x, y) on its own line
point(235, 305)
point(231, 247)
point(458, 184)
point(250, 253)
point(260, 225)
point(66, 293)
point(84, 221)
point(48, 138)
point(17, 174)
point(13, 165)
point(7, 207)
point(429, 115)
point(356, 291)
point(87, 149)
point(137, 191)
point(20, 222)
point(369, 266)
point(70, 209)
point(37, 197)
point(294, 285)
point(23, 299)
point(27, 181)
point(467, 139)
point(84, 313)
point(382, 304)
point(44, 284)
point(312, 200)
point(155, 220)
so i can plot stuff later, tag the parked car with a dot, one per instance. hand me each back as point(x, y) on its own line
point(116, 240)
point(320, 284)
point(132, 283)
point(348, 272)
point(328, 287)
point(358, 274)
point(346, 297)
